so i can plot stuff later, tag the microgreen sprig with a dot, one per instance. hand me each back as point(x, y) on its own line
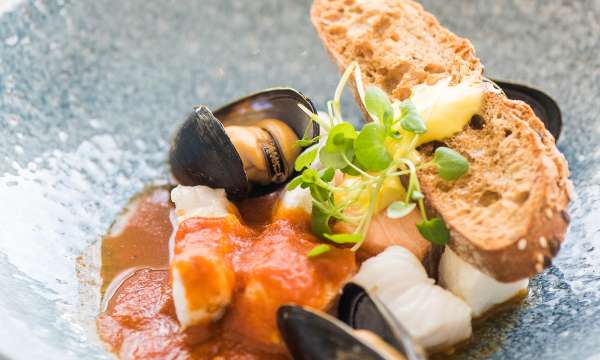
point(367, 155)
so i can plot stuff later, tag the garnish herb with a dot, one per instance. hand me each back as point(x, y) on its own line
point(318, 250)
point(434, 230)
point(381, 149)
point(451, 165)
point(306, 158)
point(399, 209)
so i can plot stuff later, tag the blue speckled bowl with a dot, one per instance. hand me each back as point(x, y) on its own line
point(90, 91)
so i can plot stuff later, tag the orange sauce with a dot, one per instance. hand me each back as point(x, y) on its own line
point(269, 268)
point(140, 237)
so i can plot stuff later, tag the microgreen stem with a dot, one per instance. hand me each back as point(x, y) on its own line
point(366, 221)
point(328, 186)
point(358, 82)
point(339, 89)
point(414, 182)
point(314, 117)
point(413, 144)
point(329, 209)
point(330, 112)
point(356, 193)
point(422, 208)
point(359, 170)
point(413, 175)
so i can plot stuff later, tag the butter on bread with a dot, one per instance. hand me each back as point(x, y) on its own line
point(508, 216)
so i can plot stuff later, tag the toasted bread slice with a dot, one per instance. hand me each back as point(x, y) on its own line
point(508, 215)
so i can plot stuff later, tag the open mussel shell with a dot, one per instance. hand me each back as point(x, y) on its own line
point(360, 310)
point(202, 153)
point(314, 335)
point(542, 104)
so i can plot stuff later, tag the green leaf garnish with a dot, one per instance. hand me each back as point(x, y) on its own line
point(318, 250)
point(371, 156)
point(307, 142)
point(399, 209)
point(310, 176)
point(434, 230)
point(319, 221)
point(369, 147)
point(416, 196)
point(451, 165)
point(297, 181)
point(339, 146)
point(327, 174)
point(350, 171)
point(411, 120)
point(340, 134)
point(344, 238)
point(319, 193)
point(378, 104)
point(307, 157)
point(334, 157)
point(388, 120)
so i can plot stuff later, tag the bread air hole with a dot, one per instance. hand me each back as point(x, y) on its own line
point(507, 132)
point(488, 198)
point(363, 51)
point(430, 147)
point(390, 83)
point(337, 31)
point(382, 26)
point(434, 68)
point(521, 197)
point(476, 122)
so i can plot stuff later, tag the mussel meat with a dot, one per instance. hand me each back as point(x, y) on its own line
point(542, 104)
point(248, 146)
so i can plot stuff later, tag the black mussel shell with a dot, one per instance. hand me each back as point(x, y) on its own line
point(202, 154)
point(542, 104)
point(313, 335)
point(278, 103)
point(361, 311)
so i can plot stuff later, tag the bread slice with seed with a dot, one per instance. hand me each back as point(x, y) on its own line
point(508, 215)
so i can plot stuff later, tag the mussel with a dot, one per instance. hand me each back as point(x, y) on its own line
point(364, 330)
point(247, 146)
point(360, 310)
point(542, 104)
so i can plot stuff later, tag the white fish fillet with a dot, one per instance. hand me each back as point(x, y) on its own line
point(391, 273)
point(297, 198)
point(200, 201)
point(433, 316)
point(192, 201)
point(480, 291)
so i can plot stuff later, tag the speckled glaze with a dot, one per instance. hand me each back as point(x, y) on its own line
point(91, 90)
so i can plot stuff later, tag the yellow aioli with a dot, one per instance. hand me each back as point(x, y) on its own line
point(391, 190)
point(446, 109)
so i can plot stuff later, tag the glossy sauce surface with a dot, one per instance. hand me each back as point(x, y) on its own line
point(270, 266)
point(139, 237)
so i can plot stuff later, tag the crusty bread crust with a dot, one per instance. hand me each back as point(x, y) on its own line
point(508, 215)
